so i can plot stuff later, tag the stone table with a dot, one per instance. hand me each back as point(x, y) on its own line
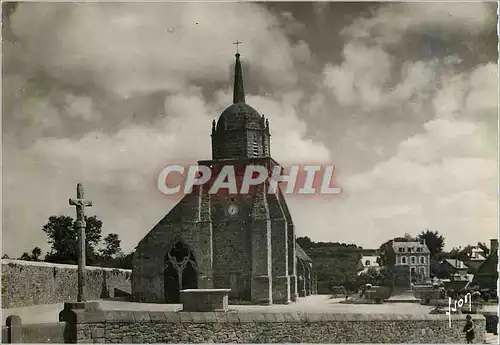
point(205, 299)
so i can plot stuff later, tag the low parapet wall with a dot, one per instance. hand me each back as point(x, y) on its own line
point(26, 283)
point(245, 327)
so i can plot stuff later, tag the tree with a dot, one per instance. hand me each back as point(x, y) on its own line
point(433, 240)
point(112, 246)
point(5, 256)
point(304, 242)
point(462, 254)
point(387, 256)
point(484, 248)
point(63, 238)
point(35, 254)
point(26, 257)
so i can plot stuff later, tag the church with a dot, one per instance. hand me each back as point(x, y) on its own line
point(243, 242)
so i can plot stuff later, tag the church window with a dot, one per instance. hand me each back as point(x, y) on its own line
point(255, 147)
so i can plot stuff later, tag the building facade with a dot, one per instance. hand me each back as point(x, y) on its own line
point(245, 242)
point(416, 255)
point(369, 260)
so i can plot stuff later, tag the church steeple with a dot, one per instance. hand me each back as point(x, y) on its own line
point(241, 132)
point(238, 92)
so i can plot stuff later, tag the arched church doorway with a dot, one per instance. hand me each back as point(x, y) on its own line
point(181, 271)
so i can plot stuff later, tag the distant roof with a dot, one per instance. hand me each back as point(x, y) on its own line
point(370, 257)
point(417, 244)
point(477, 255)
point(455, 263)
point(301, 254)
point(370, 251)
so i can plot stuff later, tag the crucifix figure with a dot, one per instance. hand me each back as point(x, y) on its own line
point(80, 204)
point(237, 43)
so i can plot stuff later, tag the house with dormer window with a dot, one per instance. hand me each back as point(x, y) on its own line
point(415, 254)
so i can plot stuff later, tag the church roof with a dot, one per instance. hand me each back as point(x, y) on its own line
point(301, 254)
point(239, 114)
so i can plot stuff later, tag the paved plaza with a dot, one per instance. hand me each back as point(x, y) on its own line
point(315, 303)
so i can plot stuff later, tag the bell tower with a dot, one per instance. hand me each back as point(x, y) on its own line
point(241, 132)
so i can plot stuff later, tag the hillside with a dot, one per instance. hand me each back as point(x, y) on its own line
point(334, 264)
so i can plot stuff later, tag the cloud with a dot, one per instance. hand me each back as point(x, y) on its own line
point(446, 175)
point(108, 94)
point(390, 24)
point(132, 48)
point(355, 81)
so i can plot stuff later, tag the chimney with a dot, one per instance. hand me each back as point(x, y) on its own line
point(493, 244)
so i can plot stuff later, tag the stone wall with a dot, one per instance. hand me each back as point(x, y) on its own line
point(26, 283)
point(238, 327)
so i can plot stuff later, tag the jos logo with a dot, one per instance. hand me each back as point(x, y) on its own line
point(460, 304)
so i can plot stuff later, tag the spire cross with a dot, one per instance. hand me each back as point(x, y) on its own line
point(237, 44)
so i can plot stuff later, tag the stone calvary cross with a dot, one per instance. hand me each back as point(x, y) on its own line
point(80, 203)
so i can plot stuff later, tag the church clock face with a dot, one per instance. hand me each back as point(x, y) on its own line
point(232, 209)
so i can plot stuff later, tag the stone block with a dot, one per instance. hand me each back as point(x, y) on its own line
point(221, 317)
point(198, 317)
point(246, 317)
point(259, 317)
point(97, 333)
point(185, 317)
point(280, 317)
point(210, 317)
point(296, 317)
point(204, 300)
point(142, 316)
point(96, 316)
point(157, 316)
point(172, 317)
point(270, 317)
point(111, 316)
point(232, 317)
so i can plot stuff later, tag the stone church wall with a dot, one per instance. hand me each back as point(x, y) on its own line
point(26, 283)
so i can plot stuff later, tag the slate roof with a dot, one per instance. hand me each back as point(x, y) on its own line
point(416, 244)
point(455, 263)
point(301, 254)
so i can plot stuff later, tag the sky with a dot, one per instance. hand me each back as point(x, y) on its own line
point(401, 98)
